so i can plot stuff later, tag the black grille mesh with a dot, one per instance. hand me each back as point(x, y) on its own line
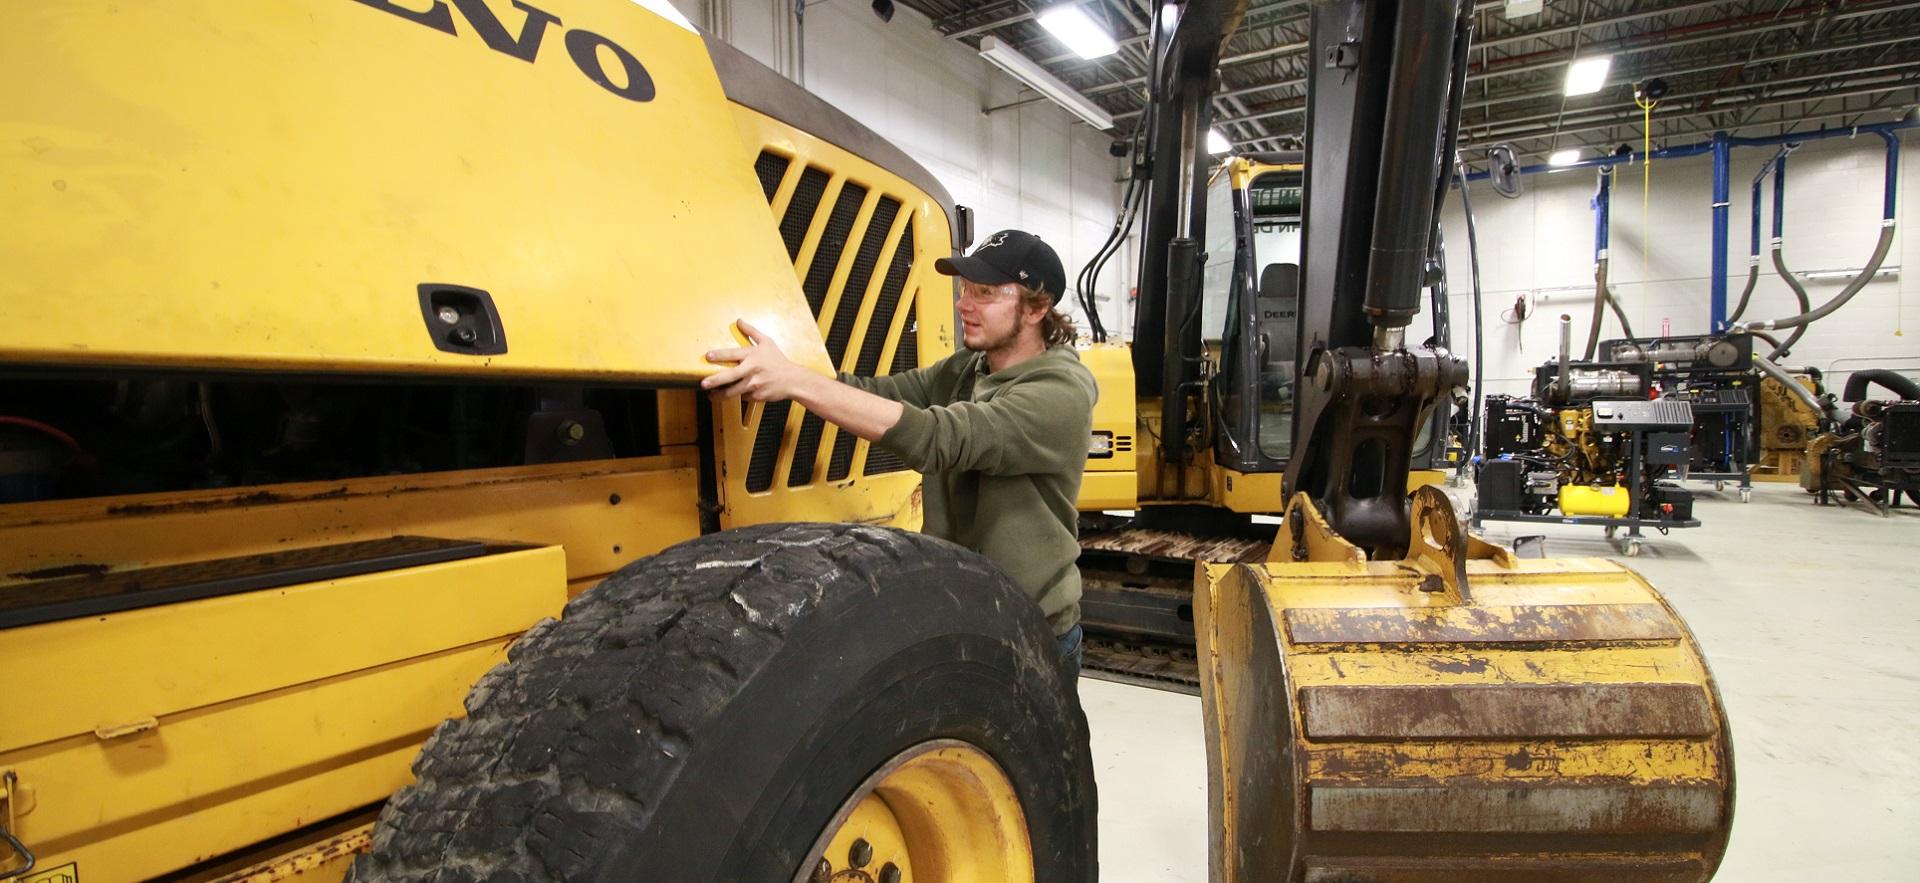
point(806, 198)
point(826, 261)
point(852, 297)
point(766, 446)
point(802, 209)
point(906, 357)
point(876, 340)
point(771, 167)
point(833, 241)
point(882, 324)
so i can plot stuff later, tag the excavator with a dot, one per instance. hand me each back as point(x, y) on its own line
point(1387, 697)
point(1144, 523)
point(358, 516)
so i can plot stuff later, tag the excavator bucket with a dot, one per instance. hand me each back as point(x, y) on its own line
point(1462, 715)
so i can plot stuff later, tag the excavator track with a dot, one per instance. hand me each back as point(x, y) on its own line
point(1169, 667)
point(1136, 602)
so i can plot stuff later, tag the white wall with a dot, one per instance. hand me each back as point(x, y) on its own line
point(1034, 167)
point(1544, 240)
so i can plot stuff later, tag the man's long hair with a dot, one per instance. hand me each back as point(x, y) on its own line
point(1056, 329)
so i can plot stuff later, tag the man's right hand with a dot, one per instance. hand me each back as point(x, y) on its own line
point(761, 372)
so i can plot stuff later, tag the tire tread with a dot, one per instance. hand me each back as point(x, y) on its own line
point(633, 667)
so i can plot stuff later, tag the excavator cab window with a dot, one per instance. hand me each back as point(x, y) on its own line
point(1272, 219)
point(1218, 275)
point(1251, 296)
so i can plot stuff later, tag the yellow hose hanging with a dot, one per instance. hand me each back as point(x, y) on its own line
point(1646, 174)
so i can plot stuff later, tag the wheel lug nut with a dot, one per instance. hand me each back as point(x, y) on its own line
point(889, 873)
point(822, 872)
point(860, 853)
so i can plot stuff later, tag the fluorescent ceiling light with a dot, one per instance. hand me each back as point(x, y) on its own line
point(665, 10)
point(1036, 77)
point(1564, 158)
point(1523, 8)
point(1217, 143)
point(1586, 76)
point(1073, 26)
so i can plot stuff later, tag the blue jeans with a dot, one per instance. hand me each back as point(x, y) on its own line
point(1071, 650)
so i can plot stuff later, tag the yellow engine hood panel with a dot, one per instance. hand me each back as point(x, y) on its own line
point(265, 185)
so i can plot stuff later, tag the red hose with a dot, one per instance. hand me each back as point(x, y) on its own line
point(51, 430)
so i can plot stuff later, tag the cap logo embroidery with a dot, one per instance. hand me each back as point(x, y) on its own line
point(993, 241)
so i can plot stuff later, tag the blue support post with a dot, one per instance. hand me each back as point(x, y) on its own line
point(1779, 200)
point(1722, 160)
point(1602, 209)
point(1893, 174)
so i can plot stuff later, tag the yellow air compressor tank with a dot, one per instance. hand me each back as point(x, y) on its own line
point(1580, 499)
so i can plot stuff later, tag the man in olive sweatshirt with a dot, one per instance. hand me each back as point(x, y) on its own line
point(1000, 428)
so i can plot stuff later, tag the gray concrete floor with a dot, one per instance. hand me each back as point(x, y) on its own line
point(1810, 619)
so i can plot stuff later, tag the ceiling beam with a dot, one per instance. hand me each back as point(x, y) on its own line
point(1496, 136)
point(1015, 18)
point(1497, 73)
point(1741, 61)
point(1488, 136)
point(1677, 105)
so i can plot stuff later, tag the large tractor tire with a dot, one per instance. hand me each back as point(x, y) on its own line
point(781, 703)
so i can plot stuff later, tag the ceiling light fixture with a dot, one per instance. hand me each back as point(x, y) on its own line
point(1071, 25)
point(1217, 143)
point(1524, 8)
point(1036, 77)
point(1564, 158)
point(1588, 75)
point(665, 10)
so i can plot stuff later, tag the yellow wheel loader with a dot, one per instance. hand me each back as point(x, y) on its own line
point(358, 516)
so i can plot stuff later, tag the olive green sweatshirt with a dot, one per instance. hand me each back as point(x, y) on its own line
point(1002, 453)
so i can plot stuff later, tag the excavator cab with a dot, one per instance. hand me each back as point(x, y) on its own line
point(1250, 289)
point(1250, 292)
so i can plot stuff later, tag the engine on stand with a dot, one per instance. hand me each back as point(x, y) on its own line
point(1714, 374)
point(1592, 446)
point(1873, 454)
point(1786, 424)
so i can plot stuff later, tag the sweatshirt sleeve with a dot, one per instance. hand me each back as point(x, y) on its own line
point(915, 388)
point(1038, 425)
point(908, 387)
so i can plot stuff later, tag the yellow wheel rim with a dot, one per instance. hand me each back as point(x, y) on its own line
point(939, 812)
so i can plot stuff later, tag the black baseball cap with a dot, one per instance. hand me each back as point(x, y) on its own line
point(1011, 256)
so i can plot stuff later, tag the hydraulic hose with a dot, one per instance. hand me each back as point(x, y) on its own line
point(1753, 238)
point(1778, 248)
point(1437, 293)
point(1770, 339)
point(1479, 335)
point(1800, 296)
point(1626, 327)
point(1603, 298)
point(1602, 205)
point(1866, 275)
point(1893, 381)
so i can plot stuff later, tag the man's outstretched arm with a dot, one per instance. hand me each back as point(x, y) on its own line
point(762, 373)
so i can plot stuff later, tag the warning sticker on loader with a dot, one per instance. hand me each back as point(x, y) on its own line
point(67, 873)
